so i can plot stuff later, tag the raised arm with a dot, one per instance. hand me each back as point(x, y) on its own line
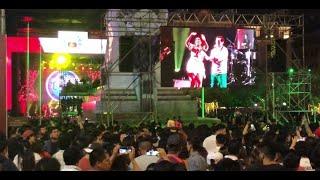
point(189, 45)
point(135, 166)
point(211, 56)
point(246, 128)
point(206, 57)
point(305, 123)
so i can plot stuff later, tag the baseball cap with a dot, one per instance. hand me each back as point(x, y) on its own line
point(171, 124)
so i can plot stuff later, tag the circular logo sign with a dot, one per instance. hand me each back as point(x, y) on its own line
point(56, 80)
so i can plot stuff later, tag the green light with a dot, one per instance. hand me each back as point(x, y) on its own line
point(179, 37)
point(291, 71)
point(28, 66)
point(202, 102)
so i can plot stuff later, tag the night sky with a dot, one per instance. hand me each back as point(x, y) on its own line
point(90, 19)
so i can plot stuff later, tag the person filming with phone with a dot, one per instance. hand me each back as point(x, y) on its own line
point(147, 155)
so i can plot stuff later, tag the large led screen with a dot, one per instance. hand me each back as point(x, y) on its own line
point(207, 57)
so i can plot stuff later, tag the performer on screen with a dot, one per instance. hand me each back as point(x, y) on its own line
point(246, 42)
point(246, 46)
point(195, 67)
point(219, 59)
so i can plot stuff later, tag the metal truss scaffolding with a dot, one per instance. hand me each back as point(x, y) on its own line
point(268, 21)
point(146, 23)
point(290, 94)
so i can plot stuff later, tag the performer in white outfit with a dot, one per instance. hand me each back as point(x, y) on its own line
point(195, 67)
point(219, 67)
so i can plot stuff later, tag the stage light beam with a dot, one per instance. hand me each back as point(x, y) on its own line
point(179, 37)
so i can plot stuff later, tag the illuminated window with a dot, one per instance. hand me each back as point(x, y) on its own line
point(284, 32)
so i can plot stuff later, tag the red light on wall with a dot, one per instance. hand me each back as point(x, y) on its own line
point(27, 19)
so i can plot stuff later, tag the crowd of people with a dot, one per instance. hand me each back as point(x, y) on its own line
point(239, 144)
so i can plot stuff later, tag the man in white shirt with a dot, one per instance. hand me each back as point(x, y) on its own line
point(219, 58)
point(217, 156)
point(147, 157)
point(59, 156)
point(71, 158)
point(210, 142)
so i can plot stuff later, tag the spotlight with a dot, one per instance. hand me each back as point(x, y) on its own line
point(255, 105)
point(61, 60)
point(284, 104)
point(291, 71)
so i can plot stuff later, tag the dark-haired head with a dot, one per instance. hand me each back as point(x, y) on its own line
point(28, 161)
point(220, 129)
point(48, 164)
point(291, 161)
point(227, 164)
point(174, 143)
point(99, 160)
point(234, 147)
point(121, 163)
point(221, 139)
point(72, 155)
point(270, 151)
point(151, 167)
point(168, 166)
point(302, 149)
point(315, 157)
